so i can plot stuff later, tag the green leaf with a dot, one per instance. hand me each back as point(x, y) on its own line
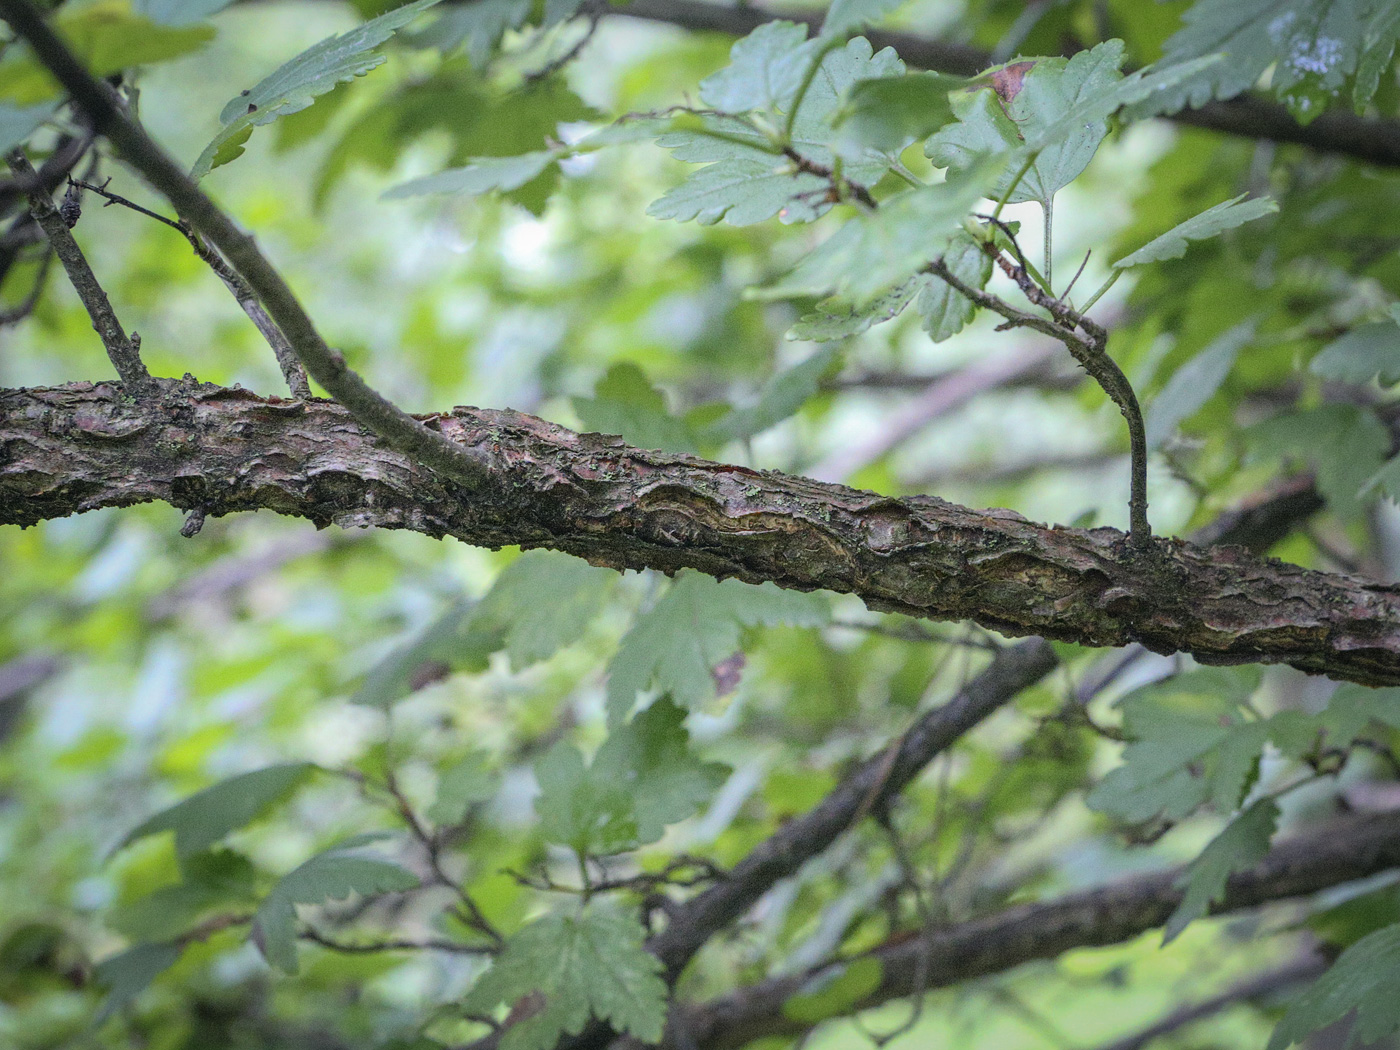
point(480, 176)
point(650, 759)
point(127, 974)
point(1362, 980)
point(1354, 707)
point(873, 253)
point(834, 991)
point(1190, 743)
point(178, 12)
point(764, 72)
point(452, 642)
point(297, 83)
point(1243, 843)
point(541, 603)
point(749, 179)
point(1210, 223)
point(1195, 383)
point(642, 779)
point(204, 818)
point(107, 37)
point(780, 398)
point(1363, 354)
point(467, 781)
point(888, 113)
point(995, 122)
point(333, 875)
point(211, 881)
point(17, 123)
point(589, 965)
point(1377, 48)
point(590, 815)
point(477, 26)
point(625, 403)
point(1311, 46)
point(1346, 445)
point(946, 310)
point(692, 630)
point(845, 16)
point(838, 320)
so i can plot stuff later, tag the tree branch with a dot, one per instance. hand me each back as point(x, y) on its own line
point(98, 101)
point(80, 447)
point(123, 352)
point(1368, 139)
point(1341, 852)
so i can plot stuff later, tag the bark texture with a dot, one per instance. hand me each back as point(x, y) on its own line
point(64, 450)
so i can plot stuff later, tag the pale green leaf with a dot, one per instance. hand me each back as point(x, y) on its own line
point(837, 320)
point(178, 12)
point(480, 176)
point(764, 72)
point(1210, 223)
point(204, 818)
point(834, 991)
point(297, 83)
point(1345, 444)
point(1243, 843)
point(454, 641)
point(467, 781)
point(127, 974)
point(1363, 354)
point(946, 310)
point(1195, 383)
point(694, 628)
point(1360, 985)
point(591, 815)
point(782, 396)
point(576, 967)
point(846, 16)
point(335, 874)
point(626, 404)
point(888, 113)
point(476, 27)
point(542, 602)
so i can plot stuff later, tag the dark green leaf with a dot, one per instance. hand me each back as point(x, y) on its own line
point(1243, 843)
point(1210, 223)
point(1361, 980)
point(542, 602)
point(204, 818)
point(1195, 383)
point(467, 781)
point(1363, 354)
point(589, 965)
point(127, 974)
point(625, 403)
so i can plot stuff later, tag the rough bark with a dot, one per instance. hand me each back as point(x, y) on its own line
point(69, 449)
point(1306, 864)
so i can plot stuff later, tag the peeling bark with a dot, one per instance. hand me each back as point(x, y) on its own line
point(64, 450)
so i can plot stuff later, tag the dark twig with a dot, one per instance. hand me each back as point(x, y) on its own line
point(594, 15)
point(1259, 986)
point(124, 352)
point(392, 945)
point(292, 370)
point(467, 466)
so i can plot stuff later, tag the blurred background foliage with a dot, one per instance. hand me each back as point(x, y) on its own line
point(137, 667)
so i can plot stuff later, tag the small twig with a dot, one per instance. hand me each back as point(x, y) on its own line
point(1077, 274)
point(123, 352)
point(467, 909)
point(839, 185)
point(553, 66)
point(292, 370)
point(392, 945)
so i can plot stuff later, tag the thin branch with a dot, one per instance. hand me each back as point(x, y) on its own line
point(467, 466)
point(315, 936)
point(292, 370)
point(1260, 986)
point(123, 351)
point(1341, 852)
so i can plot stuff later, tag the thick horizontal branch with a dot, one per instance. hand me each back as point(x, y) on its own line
point(1374, 140)
point(69, 449)
point(1343, 852)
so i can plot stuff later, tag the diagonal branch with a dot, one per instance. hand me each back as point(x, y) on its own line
point(287, 360)
point(1341, 852)
point(76, 448)
point(1369, 139)
point(124, 351)
point(99, 103)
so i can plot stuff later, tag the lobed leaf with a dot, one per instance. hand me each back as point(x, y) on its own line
point(1210, 223)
